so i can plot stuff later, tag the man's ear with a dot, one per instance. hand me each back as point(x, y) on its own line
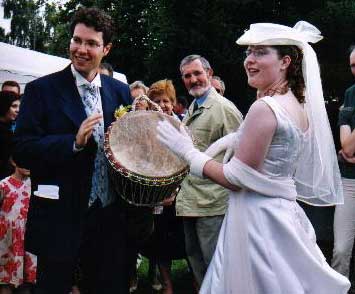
point(107, 48)
point(210, 73)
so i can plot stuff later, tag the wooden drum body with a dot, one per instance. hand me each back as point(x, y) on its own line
point(143, 171)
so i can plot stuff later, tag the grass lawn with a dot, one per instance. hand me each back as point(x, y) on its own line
point(180, 274)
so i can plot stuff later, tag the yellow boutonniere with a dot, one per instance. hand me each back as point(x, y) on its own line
point(121, 111)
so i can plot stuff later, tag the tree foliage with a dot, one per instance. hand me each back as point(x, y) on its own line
point(154, 35)
point(26, 23)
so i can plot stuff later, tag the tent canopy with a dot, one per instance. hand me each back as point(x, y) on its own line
point(24, 65)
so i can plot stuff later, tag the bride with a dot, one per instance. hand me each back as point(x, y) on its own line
point(282, 152)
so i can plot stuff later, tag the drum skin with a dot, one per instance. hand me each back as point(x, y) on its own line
point(143, 171)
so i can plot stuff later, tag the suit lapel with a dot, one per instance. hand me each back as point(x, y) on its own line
point(192, 115)
point(107, 101)
point(70, 99)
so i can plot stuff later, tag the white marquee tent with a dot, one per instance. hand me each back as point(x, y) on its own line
point(24, 65)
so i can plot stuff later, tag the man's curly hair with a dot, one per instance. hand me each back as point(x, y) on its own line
point(94, 18)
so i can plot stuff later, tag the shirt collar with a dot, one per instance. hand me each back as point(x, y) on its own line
point(202, 99)
point(81, 81)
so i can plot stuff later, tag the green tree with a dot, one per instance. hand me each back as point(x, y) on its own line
point(26, 23)
point(56, 29)
point(37, 24)
point(154, 35)
point(143, 31)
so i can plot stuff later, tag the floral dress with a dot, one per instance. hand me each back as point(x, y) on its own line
point(16, 265)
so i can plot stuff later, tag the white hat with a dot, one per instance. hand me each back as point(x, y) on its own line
point(275, 34)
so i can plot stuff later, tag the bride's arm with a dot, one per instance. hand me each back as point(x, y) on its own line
point(258, 130)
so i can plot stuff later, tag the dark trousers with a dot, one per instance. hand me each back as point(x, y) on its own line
point(102, 257)
point(54, 276)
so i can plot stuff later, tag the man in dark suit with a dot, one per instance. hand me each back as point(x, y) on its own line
point(74, 213)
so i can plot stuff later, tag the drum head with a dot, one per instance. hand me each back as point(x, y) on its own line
point(134, 146)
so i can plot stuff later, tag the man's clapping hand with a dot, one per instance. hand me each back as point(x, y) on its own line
point(86, 129)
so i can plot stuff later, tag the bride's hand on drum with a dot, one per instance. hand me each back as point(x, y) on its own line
point(180, 143)
point(86, 129)
point(177, 141)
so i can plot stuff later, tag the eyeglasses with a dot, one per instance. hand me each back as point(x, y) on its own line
point(90, 44)
point(257, 53)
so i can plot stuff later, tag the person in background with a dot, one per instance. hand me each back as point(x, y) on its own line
point(200, 202)
point(144, 103)
point(9, 109)
point(349, 96)
point(144, 219)
point(74, 212)
point(218, 84)
point(169, 231)
point(138, 89)
point(106, 69)
point(18, 267)
point(11, 86)
point(180, 108)
point(344, 217)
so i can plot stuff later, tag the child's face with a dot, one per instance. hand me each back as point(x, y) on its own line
point(24, 172)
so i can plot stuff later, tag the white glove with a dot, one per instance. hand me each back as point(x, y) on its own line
point(180, 143)
point(227, 144)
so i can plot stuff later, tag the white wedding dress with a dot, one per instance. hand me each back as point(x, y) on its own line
point(266, 244)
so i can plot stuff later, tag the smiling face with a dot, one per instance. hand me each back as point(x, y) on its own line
point(264, 67)
point(164, 102)
point(197, 80)
point(87, 50)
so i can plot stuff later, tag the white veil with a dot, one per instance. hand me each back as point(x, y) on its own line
point(317, 177)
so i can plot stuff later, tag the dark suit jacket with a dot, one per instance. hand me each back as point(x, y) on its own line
point(50, 116)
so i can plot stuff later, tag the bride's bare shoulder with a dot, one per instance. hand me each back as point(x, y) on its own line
point(261, 113)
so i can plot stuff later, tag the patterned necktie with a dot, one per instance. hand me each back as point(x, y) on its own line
point(92, 103)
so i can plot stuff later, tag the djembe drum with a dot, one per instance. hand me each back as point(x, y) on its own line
point(143, 171)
